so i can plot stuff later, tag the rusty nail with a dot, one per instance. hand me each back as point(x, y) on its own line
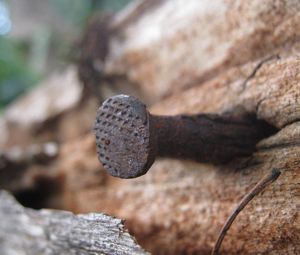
point(129, 138)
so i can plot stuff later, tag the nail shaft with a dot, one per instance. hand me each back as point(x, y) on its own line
point(129, 138)
point(206, 137)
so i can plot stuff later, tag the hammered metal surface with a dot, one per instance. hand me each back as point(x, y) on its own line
point(122, 136)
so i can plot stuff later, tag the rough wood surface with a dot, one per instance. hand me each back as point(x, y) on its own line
point(178, 44)
point(206, 56)
point(179, 207)
point(26, 231)
point(210, 56)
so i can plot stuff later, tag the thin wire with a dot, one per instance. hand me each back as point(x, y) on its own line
point(262, 184)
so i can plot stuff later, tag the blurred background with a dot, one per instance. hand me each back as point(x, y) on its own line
point(39, 37)
point(46, 96)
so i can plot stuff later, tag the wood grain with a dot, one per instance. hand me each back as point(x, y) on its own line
point(26, 231)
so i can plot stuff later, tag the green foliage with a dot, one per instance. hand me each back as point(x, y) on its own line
point(73, 11)
point(111, 5)
point(15, 76)
point(78, 11)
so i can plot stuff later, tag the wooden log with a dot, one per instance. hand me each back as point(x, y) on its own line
point(205, 56)
point(26, 231)
point(202, 56)
point(175, 45)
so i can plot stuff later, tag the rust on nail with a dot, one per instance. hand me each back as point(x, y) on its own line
point(133, 138)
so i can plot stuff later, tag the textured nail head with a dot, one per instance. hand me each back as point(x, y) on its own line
point(123, 137)
point(129, 138)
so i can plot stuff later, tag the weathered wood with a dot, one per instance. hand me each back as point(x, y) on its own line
point(209, 56)
point(26, 231)
point(178, 45)
point(206, 56)
point(16, 163)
